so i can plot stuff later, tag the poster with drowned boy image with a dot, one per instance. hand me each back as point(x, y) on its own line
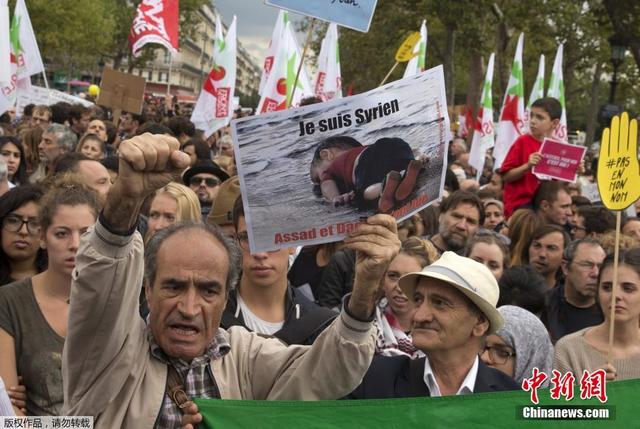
point(310, 175)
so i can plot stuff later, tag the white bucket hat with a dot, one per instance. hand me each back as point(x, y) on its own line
point(468, 276)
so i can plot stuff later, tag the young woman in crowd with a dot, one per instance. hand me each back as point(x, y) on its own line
point(13, 154)
point(20, 253)
point(521, 345)
point(31, 140)
point(394, 312)
point(522, 224)
point(171, 204)
point(33, 311)
point(92, 147)
point(494, 215)
point(587, 349)
point(489, 249)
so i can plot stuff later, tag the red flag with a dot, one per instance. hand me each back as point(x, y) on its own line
point(350, 90)
point(156, 21)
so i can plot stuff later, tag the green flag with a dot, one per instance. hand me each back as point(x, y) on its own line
point(484, 410)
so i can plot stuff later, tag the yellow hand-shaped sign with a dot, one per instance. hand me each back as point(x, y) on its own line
point(405, 51)
point(618, 168)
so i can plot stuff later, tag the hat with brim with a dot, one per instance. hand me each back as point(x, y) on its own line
point(205, 166)
point(471, 278)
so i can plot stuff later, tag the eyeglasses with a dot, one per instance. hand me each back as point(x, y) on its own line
point(208, 181)
point(13, 223)
point(498, 354)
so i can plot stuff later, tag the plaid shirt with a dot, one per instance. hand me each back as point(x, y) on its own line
point(197, 378)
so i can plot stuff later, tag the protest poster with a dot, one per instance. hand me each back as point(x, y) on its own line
point(121, 92)
point(560, 161)
point(403, 122)
point(352, 14)
point(38, 95)
point(618, 166)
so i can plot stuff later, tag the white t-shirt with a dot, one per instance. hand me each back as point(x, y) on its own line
point(256, 324)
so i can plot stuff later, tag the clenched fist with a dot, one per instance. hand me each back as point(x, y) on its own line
point(148, 162)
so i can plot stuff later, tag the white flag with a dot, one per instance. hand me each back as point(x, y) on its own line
point(511, 125)
point(328, 83)
point(483, 135)
point(417, 63)
point(214, 108)
point(5, 46)
point(278, 92)
point(274, 44)
point(556, 90)
point(25, 48)
point(537, 92)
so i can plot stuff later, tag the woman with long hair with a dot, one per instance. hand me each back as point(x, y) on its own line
point(522, 224)
point(171, 204)
point(587, 349)
point(31, 140)
point(20, 252)
point(34, 310)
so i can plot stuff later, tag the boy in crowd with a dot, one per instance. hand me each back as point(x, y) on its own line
point(520, 184)
point(385, 171)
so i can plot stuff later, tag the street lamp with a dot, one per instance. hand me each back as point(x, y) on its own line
point(618, 51)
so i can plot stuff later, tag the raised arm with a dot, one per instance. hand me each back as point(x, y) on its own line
point(104, 327)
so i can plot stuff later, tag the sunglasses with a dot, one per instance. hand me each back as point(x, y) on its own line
point(208, 181)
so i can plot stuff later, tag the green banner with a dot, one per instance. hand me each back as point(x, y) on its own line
point(484, 410)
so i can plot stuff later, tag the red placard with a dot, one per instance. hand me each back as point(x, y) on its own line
point(560, 161)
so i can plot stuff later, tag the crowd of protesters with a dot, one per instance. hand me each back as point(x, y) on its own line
point(125, 245)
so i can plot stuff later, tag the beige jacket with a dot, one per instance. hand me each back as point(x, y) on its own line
point(108, 370)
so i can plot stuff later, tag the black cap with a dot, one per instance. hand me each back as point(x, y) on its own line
point(205, 166)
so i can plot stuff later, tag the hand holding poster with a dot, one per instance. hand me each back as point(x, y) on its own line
point(309, 175)
point(560, 161)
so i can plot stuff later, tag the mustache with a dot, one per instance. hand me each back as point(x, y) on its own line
point(178, 319)
point(425, 325)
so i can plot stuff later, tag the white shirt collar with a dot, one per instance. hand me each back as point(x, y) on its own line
point(465, 388)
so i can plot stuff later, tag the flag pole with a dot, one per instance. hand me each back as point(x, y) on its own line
point(304, 52)
point(46, 84)
point(389, 74)
point(612, 317)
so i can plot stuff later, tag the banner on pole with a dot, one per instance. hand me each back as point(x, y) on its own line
point(156, 21)
point(296, 167)
point(356, 15)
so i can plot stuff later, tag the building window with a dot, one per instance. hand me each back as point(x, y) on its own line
point(167, 57)
point(150, 75)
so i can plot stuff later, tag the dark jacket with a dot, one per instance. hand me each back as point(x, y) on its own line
point(303, 320)
point(337, 279)
point(402, 377)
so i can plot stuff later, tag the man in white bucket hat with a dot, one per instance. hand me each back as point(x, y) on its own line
point(456, 301)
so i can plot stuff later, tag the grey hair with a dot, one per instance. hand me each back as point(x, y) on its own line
point(570, 251)
point(66, 138)
point(230, 246)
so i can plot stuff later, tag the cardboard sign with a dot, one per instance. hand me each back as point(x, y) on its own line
point(121, 91)
point(296, 192)
point(560, 161)
point(354, 14)
point(618, 167)
point(405, 51)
